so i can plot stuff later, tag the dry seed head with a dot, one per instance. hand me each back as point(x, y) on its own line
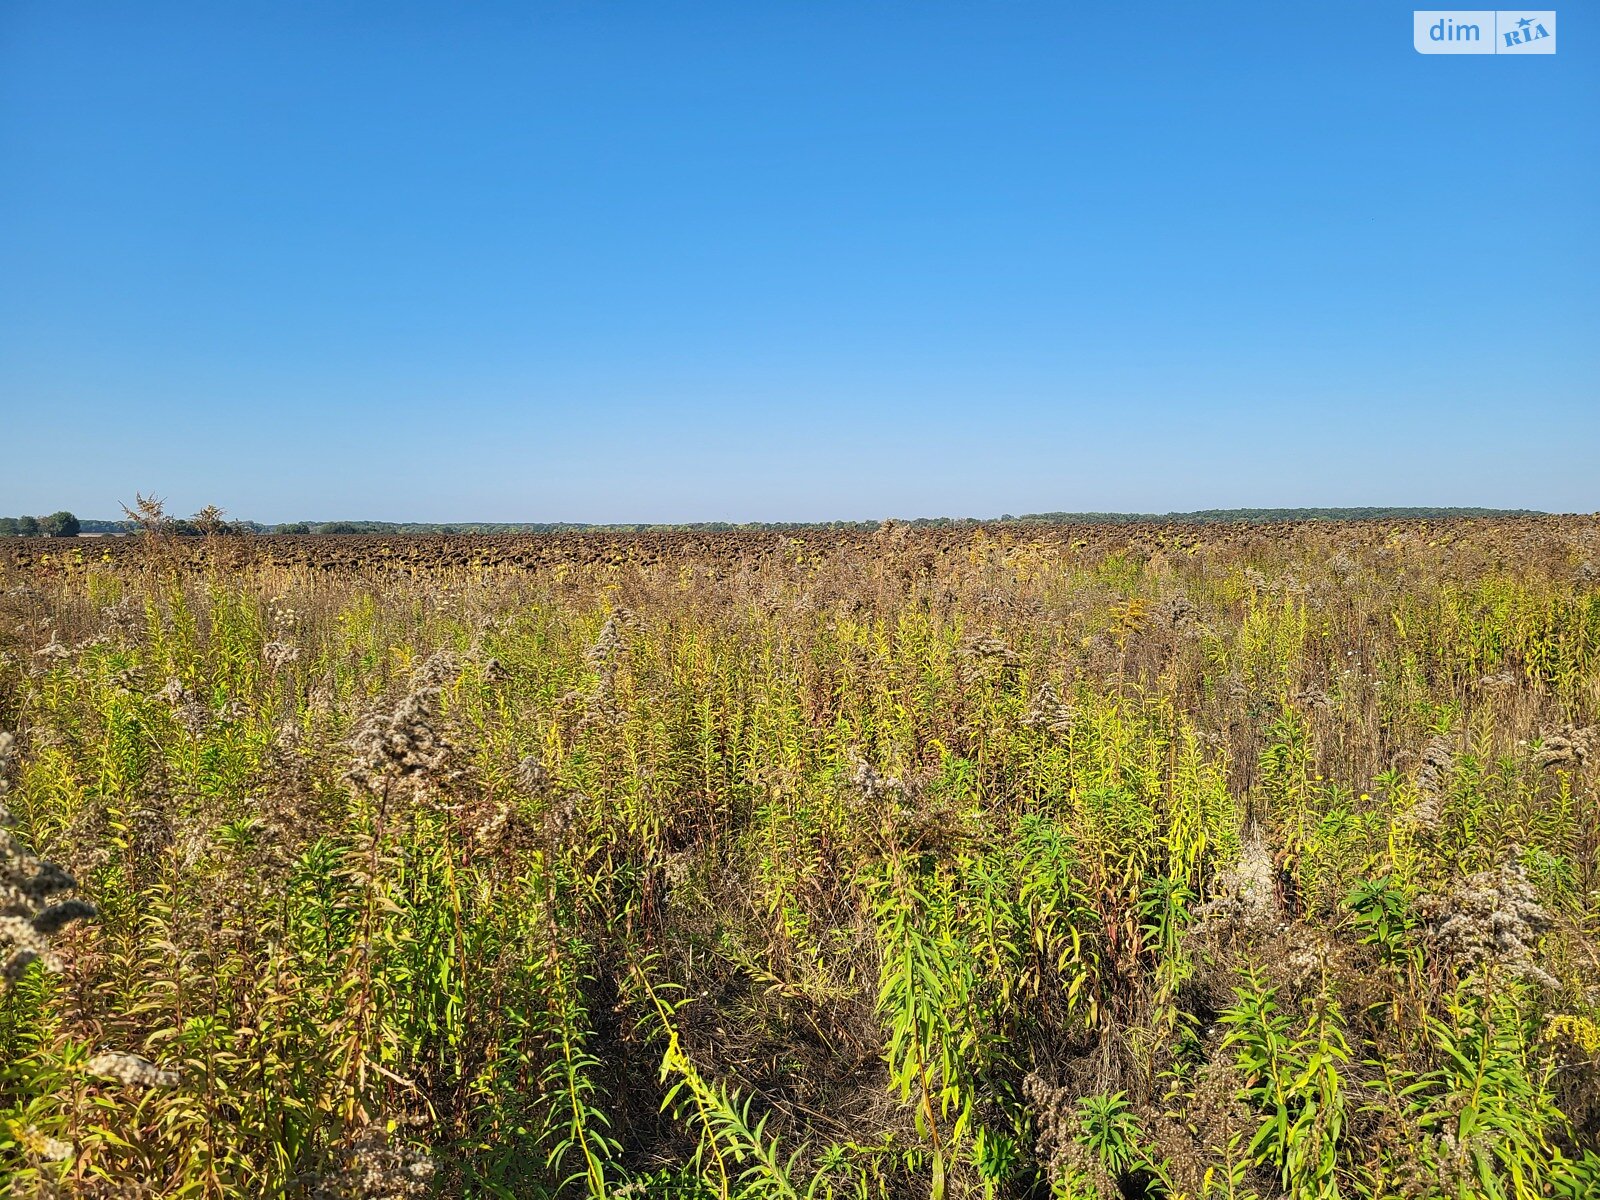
point(279, 654)
point(873, 786)
point(1048, 712)
point(26, 947)
point(1314, 698)
point(58, 916)
point(123, 619)
point(187, 708)
point(1054, 1118)
point(133, 1070)
point(677, 867)
point(610, 642)
point(380, 1168)
point(1178, 613)
point(492, 825)
point(53, 651)
point(1438, 761)
point(34, 1141)
point(981, 656)
point(1489, 918)
point(531, 775)
point(989, 648)
point(401, 744)
point(1569, 747)
point(1059, 1124)
point(437, 671)
point(404, 744)
point(561, 818)
point(1433, 774)
point(1244, 896)
point(1456, 1162)
point(600, 707)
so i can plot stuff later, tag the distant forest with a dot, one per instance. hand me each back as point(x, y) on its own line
point(1208, 516)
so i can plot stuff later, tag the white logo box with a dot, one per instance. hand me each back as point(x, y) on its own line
point(1484, 31)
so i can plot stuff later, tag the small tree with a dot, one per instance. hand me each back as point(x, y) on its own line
point(8, 527)
point(59, 524)
point(28, 526)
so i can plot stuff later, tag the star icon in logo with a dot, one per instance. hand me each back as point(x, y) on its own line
point(1525, 22)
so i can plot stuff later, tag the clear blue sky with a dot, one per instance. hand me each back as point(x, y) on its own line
point(755, 261)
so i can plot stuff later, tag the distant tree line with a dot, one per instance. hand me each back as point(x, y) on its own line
point(1262, 516)
point(208, 521)
point(57, 524)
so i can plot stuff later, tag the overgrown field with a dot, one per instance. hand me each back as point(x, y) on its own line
point(1172, 863)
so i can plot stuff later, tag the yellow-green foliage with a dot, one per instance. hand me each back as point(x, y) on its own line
point(1259, 866)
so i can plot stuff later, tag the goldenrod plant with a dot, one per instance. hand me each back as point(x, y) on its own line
point(1222, 863)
